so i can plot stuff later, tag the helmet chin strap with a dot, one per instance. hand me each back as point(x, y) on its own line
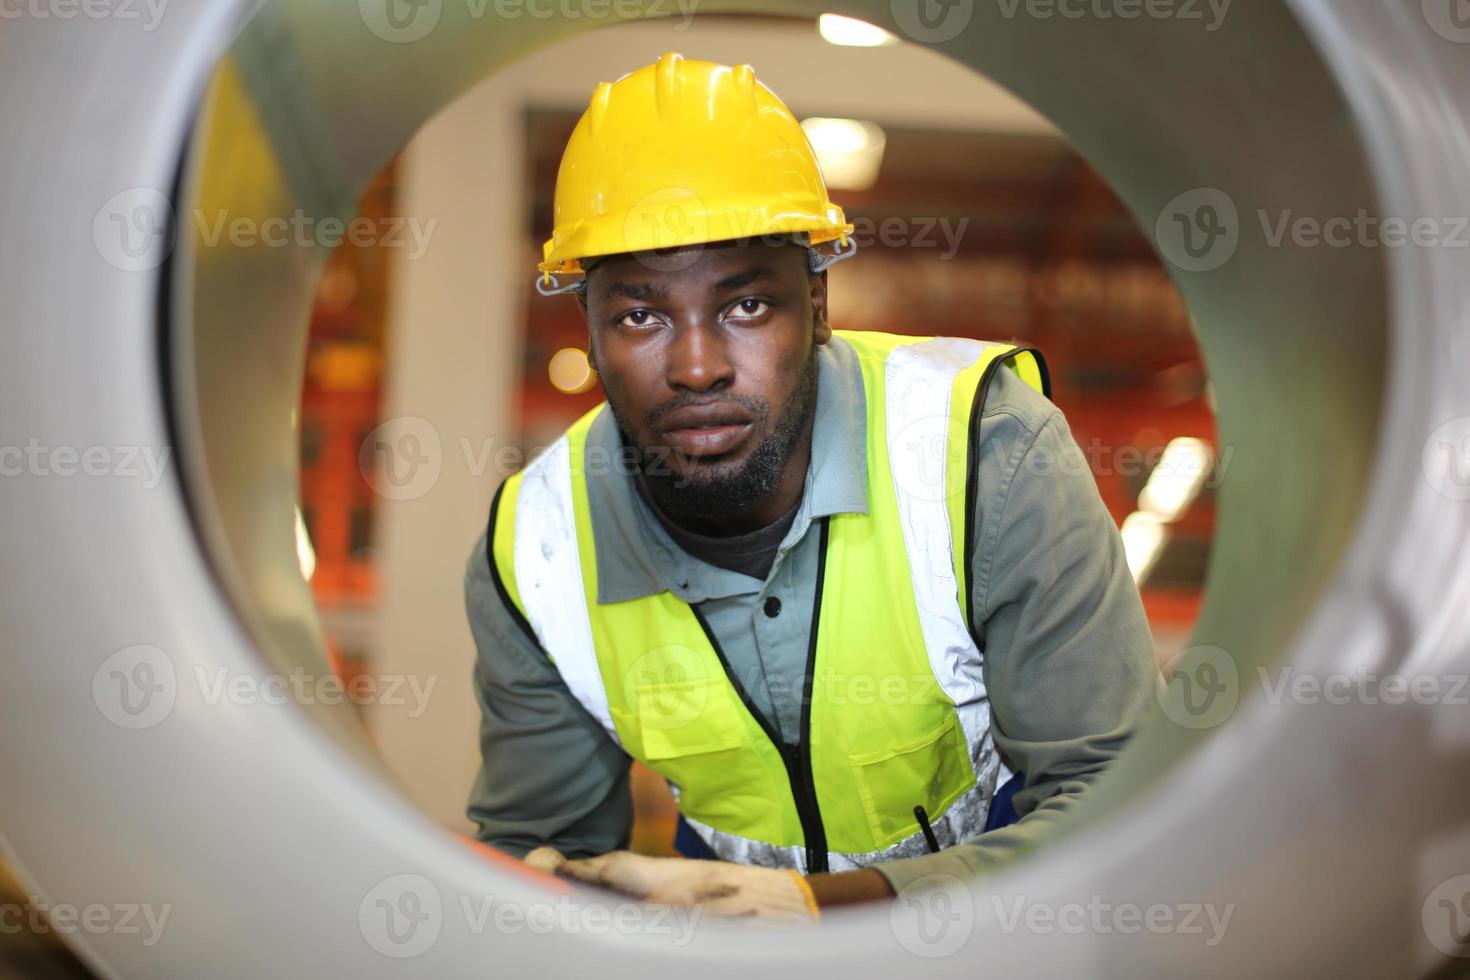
point(817, 260)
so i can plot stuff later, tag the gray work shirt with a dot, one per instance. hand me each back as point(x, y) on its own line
point(1069, 662)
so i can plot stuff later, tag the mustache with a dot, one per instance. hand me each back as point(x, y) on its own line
point(758, 408)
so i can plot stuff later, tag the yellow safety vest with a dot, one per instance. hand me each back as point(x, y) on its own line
point(895, 713)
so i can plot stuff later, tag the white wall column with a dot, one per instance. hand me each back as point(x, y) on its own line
point(453, 351)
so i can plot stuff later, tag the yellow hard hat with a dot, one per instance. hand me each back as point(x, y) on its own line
point(683, 152)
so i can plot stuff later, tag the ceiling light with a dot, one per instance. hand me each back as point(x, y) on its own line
point(849, 151)
point(1177, 479)
point(1143, 538)
point(851, 32)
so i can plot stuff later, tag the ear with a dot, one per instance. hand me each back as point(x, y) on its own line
point(821, 327)
point(591, 345)
point(592, 354)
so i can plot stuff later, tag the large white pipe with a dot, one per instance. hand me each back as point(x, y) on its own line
point(1333, 833)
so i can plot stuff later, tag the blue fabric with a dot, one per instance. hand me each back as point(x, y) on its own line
point(690, 844)
point(1002, 806)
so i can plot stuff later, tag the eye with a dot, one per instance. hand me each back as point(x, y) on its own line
point(749, 308)
point(636, 319)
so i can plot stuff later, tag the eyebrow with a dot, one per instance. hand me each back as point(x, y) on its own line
point(743, 278)
point(654, 291)
point(640, 291)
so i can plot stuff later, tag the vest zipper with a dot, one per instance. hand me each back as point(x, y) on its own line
point(796, 758)
point(811, 821)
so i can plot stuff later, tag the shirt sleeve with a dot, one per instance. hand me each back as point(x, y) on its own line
point(1069, 660)
point(549, 774)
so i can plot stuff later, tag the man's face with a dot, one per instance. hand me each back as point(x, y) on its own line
point(707, 356)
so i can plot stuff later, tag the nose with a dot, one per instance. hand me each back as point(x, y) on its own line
point(699, 359)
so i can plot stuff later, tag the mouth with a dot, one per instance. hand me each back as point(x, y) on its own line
point(706, 430)
point(707, 440)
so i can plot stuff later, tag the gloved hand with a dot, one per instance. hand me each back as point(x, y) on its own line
point(547, 859)
point(720, 887)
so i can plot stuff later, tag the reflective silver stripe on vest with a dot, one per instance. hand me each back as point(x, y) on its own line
point(549, 577)
point(964, 820)
point(919, 379)
point(745, 850)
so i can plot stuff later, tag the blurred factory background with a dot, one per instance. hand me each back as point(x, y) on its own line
point(975, 219)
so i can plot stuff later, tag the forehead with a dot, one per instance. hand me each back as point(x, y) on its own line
point(715, 268)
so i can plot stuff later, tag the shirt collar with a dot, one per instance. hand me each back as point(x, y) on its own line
point(635, 555)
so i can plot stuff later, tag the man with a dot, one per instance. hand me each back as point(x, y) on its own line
point(835, 587)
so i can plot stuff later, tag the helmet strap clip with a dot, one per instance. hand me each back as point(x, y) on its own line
point(819, 261)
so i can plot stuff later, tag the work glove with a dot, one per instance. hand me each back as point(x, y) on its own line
point(546, 859)
point(719, 887)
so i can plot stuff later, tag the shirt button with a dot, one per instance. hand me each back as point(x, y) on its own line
point(773, 607)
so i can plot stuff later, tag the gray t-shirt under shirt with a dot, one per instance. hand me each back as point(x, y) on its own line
point(751, 553)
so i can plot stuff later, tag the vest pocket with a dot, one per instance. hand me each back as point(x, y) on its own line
point(694, 734)
point(933, 770)
point(682, 718)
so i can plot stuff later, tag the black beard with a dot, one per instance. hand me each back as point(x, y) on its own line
point(691, 499)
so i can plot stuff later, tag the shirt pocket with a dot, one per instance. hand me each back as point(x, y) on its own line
point(932, 770)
